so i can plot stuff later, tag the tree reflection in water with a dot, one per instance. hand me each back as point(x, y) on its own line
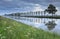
point(51, 25)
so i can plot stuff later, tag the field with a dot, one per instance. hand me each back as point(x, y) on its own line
point(10, 29)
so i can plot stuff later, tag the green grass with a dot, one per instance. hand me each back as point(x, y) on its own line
point(10, 29)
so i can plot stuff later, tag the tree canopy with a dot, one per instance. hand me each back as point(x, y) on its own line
point(51, 9)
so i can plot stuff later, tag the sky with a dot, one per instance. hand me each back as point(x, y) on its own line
point(12, 6)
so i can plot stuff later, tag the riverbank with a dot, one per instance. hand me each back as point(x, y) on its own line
point(10, 29)
point(54, 17)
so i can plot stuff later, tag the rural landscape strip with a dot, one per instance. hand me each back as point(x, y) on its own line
point(10, 29)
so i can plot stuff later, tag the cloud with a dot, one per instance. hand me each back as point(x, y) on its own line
point(44, 2)
point(24, 3)
point(37, 8)
point(15, 4)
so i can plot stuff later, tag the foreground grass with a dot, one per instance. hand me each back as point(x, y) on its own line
point(10, 29)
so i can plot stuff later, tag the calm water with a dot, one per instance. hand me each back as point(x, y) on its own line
point(51, 25)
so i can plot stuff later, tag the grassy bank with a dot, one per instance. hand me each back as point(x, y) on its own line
point(10, 29)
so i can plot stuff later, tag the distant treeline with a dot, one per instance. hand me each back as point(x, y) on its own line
point(13, 14)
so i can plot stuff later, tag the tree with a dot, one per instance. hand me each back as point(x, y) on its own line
point(51, 9)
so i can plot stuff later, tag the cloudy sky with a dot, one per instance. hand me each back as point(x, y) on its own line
point(10, 6)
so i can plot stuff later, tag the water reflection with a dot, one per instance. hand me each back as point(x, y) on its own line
point(51, 25)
